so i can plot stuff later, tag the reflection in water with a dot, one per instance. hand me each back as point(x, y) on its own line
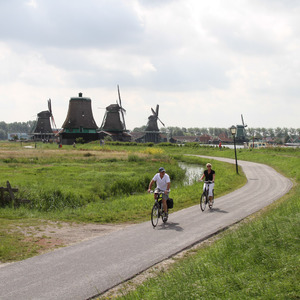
point(192, 172)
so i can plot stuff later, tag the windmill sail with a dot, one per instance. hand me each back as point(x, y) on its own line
point(51, 114)
point(122, 109)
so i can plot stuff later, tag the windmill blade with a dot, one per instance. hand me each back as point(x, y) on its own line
point(53, 122)
point(122, 109)
point(51, 115)
point(49, 106)
point(161, 121)
point(119, 96)
point(154, 113)
point(243, 121)
point(157, 107)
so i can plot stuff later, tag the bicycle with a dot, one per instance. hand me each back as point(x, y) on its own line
point(204, 199)
point(158, 210)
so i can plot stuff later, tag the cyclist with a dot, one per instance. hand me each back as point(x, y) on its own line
point(209, 176)
point(163, 184)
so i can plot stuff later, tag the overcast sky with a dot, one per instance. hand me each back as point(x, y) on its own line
point(204, 62)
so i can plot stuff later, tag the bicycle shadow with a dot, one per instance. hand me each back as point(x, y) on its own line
point(218, 210)
point(170, 226)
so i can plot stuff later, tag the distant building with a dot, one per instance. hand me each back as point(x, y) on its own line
point(18, 135)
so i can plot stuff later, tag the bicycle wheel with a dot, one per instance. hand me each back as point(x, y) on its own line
point(203, 201)
point(154, 215)
point(212, 201)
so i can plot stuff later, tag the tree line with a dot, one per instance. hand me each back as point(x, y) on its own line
point(15, 127)
point(258, 132)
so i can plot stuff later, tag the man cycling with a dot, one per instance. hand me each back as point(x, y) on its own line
point(163, 184)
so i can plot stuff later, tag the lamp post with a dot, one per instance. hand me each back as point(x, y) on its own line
point(233, 132)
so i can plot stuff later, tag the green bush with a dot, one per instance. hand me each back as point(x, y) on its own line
point(167, 145)
point(134, 158)
point(80, 140)
point(54, 199)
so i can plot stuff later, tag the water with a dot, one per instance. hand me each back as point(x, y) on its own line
point(231, 146)
point(193, 172)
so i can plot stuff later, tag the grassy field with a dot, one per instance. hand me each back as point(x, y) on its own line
point(259, 259)
point(89, 184)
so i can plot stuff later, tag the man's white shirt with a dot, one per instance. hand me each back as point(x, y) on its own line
point(161, 183)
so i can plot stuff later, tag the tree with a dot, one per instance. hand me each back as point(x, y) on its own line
point(271, 132)
point(278, 132)
point(3, 134)
point(139, 129)
point(264, 132)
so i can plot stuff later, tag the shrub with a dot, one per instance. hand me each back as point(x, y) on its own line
point(88, 154)
point(134, 158)
point(54, 199)
point(79, 140)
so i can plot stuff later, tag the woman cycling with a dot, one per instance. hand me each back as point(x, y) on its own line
point(209, 176)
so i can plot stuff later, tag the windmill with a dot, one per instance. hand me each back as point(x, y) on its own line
point(152, 120)
point(113, 123)
point(42, 129)
point(79, 123)
point(152, 131)
point(241, 132)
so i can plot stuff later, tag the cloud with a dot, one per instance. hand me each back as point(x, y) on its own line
point(65, 24)
point(205, 63)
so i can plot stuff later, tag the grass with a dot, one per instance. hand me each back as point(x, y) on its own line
point(258, 259)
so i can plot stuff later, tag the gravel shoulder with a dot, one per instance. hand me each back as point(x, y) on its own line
point(52, 235)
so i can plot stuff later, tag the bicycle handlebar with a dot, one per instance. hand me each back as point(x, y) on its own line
point(207, 181)
point(159, 193)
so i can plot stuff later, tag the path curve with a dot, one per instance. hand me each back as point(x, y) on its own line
point(89, 268)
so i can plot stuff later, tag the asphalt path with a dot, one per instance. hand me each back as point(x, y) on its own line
point(89, 268)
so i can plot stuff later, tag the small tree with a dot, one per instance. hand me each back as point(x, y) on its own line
point(80, 140)
point(108, 138)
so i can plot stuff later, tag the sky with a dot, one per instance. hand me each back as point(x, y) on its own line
point(204, 62)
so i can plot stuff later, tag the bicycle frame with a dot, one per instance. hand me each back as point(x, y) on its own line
point(204, 199)
point(157, 210)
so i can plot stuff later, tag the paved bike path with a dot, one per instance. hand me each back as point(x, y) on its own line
point(91, 267)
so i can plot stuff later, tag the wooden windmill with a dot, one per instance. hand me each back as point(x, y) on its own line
point(113, 123)
point(43, 130)
point(241, 135)
point(79, 122)
point(152, 133)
